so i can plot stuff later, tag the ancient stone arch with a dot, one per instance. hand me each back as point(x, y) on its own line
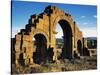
point(44, 25)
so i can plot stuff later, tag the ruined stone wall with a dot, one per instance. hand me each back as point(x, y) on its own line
point(44, 23)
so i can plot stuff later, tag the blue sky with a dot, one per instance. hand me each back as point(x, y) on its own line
point(84, 15)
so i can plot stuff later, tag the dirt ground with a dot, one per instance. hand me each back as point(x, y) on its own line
point(84, 63)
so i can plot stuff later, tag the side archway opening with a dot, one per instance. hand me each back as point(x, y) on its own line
point(40, 46)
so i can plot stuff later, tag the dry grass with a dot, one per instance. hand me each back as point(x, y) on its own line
point(86, 63)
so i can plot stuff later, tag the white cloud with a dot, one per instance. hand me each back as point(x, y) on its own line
point(89, 31)
point(83, 16)
point(15, 30)
point(59, 34)
point(85, 23)
point(95, 16)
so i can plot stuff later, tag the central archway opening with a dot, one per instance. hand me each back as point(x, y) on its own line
point(66, 39)
point(40, 45)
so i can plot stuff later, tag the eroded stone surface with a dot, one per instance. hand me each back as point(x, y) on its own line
point(42, 27)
